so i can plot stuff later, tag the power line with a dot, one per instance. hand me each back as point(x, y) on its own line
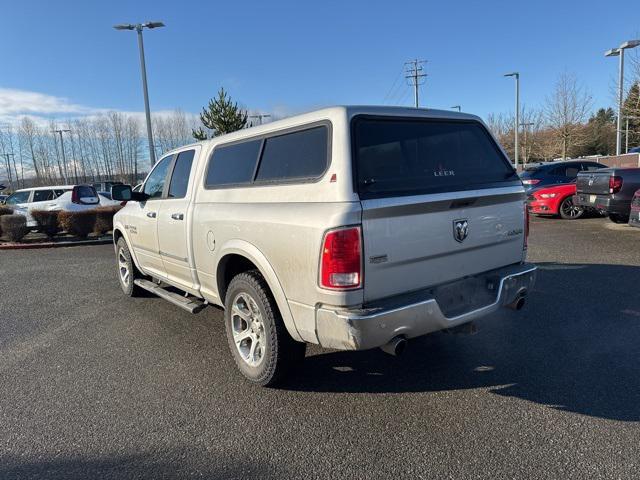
point(389, 95)
point(414, 73)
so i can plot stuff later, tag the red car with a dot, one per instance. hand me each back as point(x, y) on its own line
point(555, 200)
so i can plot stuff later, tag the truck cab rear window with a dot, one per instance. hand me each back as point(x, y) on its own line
point(397, 157)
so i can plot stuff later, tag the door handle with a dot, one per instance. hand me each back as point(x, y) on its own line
point(151, 214)
point(177, 216)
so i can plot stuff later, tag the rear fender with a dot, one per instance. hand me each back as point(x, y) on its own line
point(252, 253)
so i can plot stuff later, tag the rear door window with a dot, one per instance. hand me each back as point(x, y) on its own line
point(396, 157)
point(233, 164)
point(180, 176)
point(296, 155)
point(43, 195)
point(572, 171)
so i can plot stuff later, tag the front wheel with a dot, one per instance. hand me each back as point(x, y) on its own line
point(617, 218)
point(127, 271)
point(569, 210)
point(262, 348)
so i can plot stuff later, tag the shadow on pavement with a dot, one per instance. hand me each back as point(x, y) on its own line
point(159, 465)
point(571, 348)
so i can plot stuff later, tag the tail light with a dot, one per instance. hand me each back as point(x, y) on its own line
point(341, 259)
point(530, 181)
point(615, 184)
point(75, 195)
point(526, 227)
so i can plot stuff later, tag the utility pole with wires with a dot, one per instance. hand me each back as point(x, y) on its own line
point(414, 73)
point(260, 117)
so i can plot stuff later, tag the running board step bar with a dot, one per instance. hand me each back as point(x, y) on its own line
point(190, 304)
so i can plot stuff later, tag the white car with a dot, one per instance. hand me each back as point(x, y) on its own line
point(58, 197)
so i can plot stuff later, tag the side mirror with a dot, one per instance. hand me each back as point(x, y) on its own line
point(121, 192)
point(125, 193)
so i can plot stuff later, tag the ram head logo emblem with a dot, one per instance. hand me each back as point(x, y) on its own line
point(460, 229)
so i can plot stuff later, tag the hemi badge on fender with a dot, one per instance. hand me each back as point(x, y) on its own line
point(378, 259)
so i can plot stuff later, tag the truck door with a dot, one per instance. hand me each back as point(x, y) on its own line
point(173, 220)
point(142, 223)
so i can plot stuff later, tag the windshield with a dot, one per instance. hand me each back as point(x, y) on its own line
point(414, 156)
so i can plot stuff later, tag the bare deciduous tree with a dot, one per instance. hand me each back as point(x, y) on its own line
point(566, 110)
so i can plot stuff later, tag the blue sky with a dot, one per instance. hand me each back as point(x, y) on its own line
point(295, 55)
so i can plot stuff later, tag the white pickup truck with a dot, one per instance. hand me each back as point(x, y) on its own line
point(348, 227)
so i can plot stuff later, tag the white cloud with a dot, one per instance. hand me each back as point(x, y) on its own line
point(22, 102)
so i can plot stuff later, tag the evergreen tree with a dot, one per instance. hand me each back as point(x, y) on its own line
point(600, 132)
point(631, 112)
point(221, 116)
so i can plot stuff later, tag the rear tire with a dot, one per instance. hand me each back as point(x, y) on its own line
point(616, 218)
point(569, 210)
point(127, 271)
point(260, 344)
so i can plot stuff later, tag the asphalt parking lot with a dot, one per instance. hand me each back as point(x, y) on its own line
point(95, 385)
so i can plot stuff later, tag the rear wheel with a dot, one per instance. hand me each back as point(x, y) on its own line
point(569, 210)
point(127, 271)
point(617, 218)
point(262, 348)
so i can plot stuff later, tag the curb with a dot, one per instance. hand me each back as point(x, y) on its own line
point(72, 243)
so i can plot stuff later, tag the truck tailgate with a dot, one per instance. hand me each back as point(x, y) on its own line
point(596, 183)
point(411, 243)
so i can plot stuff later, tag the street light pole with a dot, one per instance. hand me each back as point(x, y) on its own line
point(619, 52)
point(517, 120)
point(138, 28)
point(457, 107)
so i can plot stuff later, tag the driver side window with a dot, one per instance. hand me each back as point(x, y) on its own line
point(154, 186)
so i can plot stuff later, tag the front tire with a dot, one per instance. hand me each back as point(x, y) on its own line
point(259, 342)
point(127, 271)
point(616, 218)
point(569, 210)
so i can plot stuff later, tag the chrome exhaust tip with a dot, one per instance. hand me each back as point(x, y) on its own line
point(395, 347)
point(519, 302)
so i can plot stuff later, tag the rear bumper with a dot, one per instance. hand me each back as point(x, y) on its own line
point(362, 329)
point(603, 203)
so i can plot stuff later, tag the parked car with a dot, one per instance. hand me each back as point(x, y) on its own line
point(3, 198)
point(609, 191)
point(105, 186)
point(555, 200)
point(634, 216)
point(59, 197)
point(106, 200)
point(348, 227)
point(67, 202)
point(556, 172)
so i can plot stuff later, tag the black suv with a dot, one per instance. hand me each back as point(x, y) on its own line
point(556, 172)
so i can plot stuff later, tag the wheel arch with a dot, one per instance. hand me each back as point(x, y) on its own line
point(117, 235)
point(238, 256)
